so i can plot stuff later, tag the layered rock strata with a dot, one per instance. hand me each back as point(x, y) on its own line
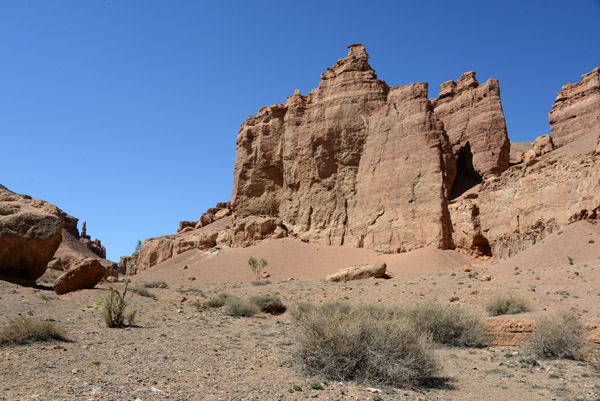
point(576, 110)
point(474, 122)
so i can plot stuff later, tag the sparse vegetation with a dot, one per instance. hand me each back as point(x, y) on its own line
point(269, 304)
point(368, 344)
point(571, 260)
point(507, 304)
point(113, 308)
point(240, 307)
point(156, 284)
point(448, 324)
point(257, 266)
point(143, 291)
point(558, 337)
point(218, 302)
point(24, 330)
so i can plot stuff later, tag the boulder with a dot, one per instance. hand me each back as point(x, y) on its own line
point(576, 109)
point(543, 144)
point(508, 331)
point(30, 234)
point(85, 274)
point(358, 272)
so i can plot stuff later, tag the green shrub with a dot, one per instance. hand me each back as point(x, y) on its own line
point(257, 266)
point(218, 302)
point(240, 307)
point(269, 304)
point(448, 324)
point(24, 330)
point(507, 304)
point(368, 344)
point(558, 337)
point(113, 306)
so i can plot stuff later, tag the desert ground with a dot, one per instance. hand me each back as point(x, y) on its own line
point(179, 351)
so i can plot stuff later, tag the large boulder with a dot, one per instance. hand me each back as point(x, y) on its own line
point(30, 234)
point(85, 274)
point(358, 272)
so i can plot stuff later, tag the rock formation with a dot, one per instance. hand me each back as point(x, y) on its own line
point(85, 274)
point(576, 110)
point(355, 162)
point(474, 122)
point(358, 272)
point(30, 233)
point(359, 163)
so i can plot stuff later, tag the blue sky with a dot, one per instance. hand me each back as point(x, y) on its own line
point(125, 113)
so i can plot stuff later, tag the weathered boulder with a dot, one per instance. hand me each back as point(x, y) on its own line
point(73, 250)
point(353, 163)
point(56, 264)
point(508, 331)
point(358, 272)
point(30, 233)
point(85, 274)
point(543, 144)
point(576, 110)
point(474, 122)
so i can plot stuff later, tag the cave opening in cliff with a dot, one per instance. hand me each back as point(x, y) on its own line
point(466, 175)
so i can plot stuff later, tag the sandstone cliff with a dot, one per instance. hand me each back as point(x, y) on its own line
point(576, 110)
point(359, 163)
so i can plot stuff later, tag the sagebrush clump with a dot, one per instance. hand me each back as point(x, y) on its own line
point(24, 330)
point(448, 324)
point(559, 336)
point(113, 306)
point(240, 307)
point(269, 304)
point(371, 345)
point(507, 304)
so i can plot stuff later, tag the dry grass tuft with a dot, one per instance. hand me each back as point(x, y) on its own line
point(558, 337)
point(372, 345)
point(507, 304)
point(25, 330)
point(240, 307)
point(448, 324)
point(113, 306)
point(218, 302)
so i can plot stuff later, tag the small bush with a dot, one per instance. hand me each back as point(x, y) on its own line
point(24, 330)
point(269, 304)
point(218, 302)
point(368, 344)
point(113, 308)
point(256, 266)
point(240, 307)
point(448, 324)
point(259, 283)
point(143, 291)
point(156, 284)
point(507, 304)
point(558, 337)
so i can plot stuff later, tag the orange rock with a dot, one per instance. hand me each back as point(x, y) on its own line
point(509, 331)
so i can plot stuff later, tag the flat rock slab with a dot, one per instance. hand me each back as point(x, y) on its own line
point(359, 272)
point(509, 331)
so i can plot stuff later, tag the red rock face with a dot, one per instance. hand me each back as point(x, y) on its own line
point(576, 110)
point(354, 162)
point(472, 116)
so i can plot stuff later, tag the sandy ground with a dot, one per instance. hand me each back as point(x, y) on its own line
point(180, 352)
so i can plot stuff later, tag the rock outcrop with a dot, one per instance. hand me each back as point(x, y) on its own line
point(508, 331)
point(474, 122)
point(30, 233)
point(353, 163)
point(576, 110)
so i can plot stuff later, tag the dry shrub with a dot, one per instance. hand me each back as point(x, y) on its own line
point(507, 304)
point(24, 330)
point(240, 307)
point(218, 302)
point(143, 291)
point(558, 337)
point(156, 284)
point(269, 304)
point(113, 306)
point(448, 324)
point(368, 344)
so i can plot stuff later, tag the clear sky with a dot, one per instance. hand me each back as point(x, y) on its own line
point(124, 113)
